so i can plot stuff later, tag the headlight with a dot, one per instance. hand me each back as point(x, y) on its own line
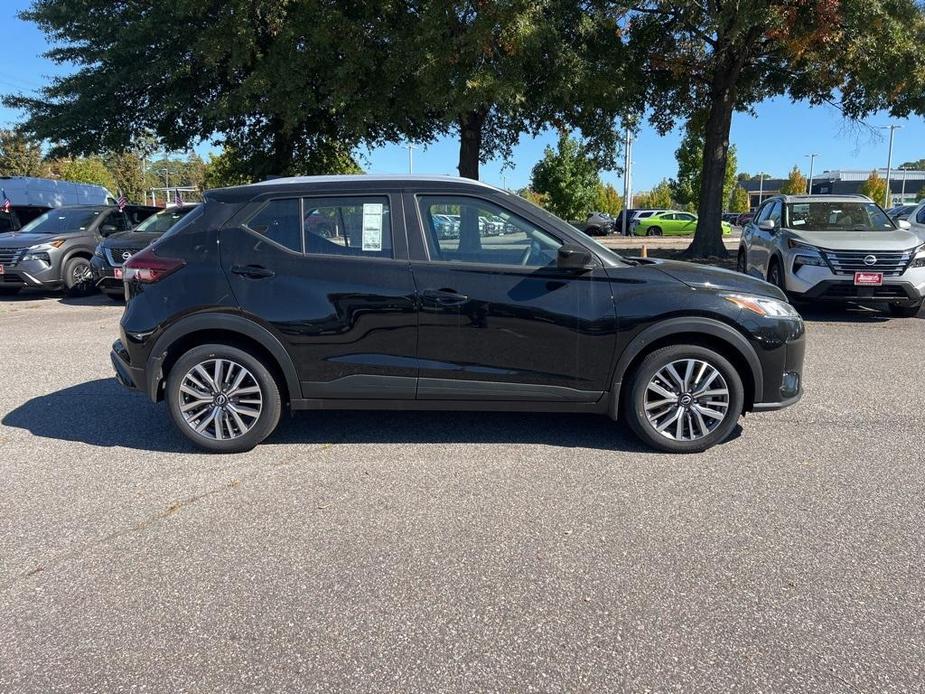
point(918, 256)
point(763, 306)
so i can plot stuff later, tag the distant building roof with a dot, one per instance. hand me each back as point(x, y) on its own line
point(863, 174)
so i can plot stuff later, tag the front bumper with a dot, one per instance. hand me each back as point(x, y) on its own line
point(819, 283)
point(31, 273)
point(104, 276)
point(128, 375)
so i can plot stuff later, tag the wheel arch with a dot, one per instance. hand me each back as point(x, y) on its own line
point(706, 332)
point(233, 330)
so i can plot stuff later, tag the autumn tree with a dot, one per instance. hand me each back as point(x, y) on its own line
point(128, 175)
point(607, 199)
point(874, 188)
point(20, 156)
point(83, 170)
point(860, 55)
point(659, 198)
point(739, 201)
point(795, 183)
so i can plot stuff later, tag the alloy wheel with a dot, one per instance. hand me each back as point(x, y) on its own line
point(220, 399)
point(686, 400)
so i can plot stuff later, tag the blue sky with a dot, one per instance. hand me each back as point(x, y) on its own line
point(776, 137)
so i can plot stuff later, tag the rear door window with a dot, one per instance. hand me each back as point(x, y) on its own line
point(278, 220)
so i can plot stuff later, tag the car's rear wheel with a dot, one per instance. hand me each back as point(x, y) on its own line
point(684, 399)
point(654, 231)
point(906, 310)
point(222, 398)
point(78, 276)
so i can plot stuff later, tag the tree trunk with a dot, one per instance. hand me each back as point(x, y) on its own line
point(470, 143)
point(708, 239)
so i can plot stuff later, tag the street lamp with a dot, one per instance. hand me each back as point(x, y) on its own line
point(411, 149)
point(889, 163)
point(812, 160)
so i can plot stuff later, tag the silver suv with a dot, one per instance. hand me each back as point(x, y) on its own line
point(835, 248)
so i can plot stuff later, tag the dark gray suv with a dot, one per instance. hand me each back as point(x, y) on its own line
point(54, 250)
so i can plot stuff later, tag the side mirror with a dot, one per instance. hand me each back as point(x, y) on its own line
point(766, 225)
point(108, 229)
point(904, 224)
point(574, 258)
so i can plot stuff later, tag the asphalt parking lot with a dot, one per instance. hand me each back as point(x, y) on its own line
point(459, 552)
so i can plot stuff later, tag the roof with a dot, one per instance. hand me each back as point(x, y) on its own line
point(823, 198)
point(371, 178)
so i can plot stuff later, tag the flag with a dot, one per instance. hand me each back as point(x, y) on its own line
point(177, 200)
point(122, 202)
point(6, 204)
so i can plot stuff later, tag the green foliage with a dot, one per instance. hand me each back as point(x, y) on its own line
point(538, 199)
point(567, 176)
point(607, 199)
point(128, 175)
point(20, 156)
point(795, 183)
point(920, 195)
point(225, 169)
point(740, 200)
point(659, 198)
point(918, 165)
point(689, 155)
point(874, 188)
point(83, 170)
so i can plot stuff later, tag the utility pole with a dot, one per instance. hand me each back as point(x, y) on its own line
point(902, 195)
point(760, 189)
point(627, 179)
point(411, 149)
point(812, 160)
point(889, 163)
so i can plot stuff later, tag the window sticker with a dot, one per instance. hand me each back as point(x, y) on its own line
point(798, 222)
point(372, 226)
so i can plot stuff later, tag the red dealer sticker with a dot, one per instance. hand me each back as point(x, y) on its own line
point(868, 279)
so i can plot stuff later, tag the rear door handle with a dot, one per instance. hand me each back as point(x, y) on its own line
point(254, 272)
point(445, 297)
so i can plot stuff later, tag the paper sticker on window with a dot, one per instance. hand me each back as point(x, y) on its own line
point(372, 226)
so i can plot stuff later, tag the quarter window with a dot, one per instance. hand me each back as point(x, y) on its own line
point(356, 226)
point(472, 230)
point(278, 220)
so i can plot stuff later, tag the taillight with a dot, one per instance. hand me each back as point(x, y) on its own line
point(149, 268)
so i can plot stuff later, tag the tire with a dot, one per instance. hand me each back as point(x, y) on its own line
point(78, 277)
point(694, 438)
point(237, 433)
point(742, 262)
point(9, 291)
point(653, 231)
point(905, 311)
point(776, 275)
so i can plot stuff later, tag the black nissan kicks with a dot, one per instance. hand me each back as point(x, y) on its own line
point(245, 307)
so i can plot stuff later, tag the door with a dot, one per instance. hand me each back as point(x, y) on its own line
point(330, 277)
point(758, 241)
point(499, 321)
point(686, 223)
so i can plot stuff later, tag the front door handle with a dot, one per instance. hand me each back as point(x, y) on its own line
point(254, 272)
point(445, 297)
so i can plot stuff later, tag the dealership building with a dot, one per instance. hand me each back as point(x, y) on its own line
point(904, 184)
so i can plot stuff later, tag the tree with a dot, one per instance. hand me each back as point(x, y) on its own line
point(916, 165)
point(659, 198)
point(689, 155)
point(740, 200)
point(920, 195)
point(874, 188)
point(128, 175)
point(733, 55)
point(83, 170)
point(795, 183)
point(607, 199)
point(567, 177)
point(20, 156)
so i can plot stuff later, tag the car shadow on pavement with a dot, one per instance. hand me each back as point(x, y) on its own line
point(103, 413)
point(93, 299)
point(838, 313)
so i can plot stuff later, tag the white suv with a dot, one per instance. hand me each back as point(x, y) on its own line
point(835, 248)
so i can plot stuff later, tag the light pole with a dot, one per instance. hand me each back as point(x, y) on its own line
point(627, 179)
point(411, 149)
point(889, 163)
point(760, 188)
point(812, 161)
point(902, 194)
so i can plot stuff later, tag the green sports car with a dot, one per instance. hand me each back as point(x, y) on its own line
point(672, 223)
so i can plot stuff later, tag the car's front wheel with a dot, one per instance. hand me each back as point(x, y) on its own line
point(78, 276)
point(222, 398)
point(684, 399)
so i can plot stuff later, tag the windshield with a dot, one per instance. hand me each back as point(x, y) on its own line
point(163, 220)
point(837, 216)
point(61, 220)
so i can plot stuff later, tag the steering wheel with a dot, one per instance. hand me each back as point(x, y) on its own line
point(529, 251)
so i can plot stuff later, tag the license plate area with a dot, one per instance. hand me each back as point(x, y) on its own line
point(868, 279)
point(117, 273)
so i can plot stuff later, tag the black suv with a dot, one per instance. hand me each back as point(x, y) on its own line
point(112, 252)
point(245, 306)
point(53, 251)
